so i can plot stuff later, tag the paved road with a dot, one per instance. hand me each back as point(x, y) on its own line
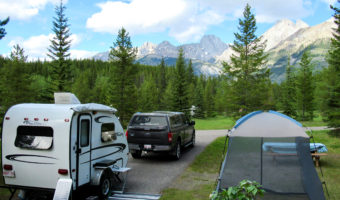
point(154, 172)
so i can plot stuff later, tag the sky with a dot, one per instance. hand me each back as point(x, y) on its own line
point(94, 24)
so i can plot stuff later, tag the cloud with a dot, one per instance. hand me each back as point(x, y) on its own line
point(81, 54)
point(329, 2)
point(187, 20)
point(23, 9)
point(36, 46)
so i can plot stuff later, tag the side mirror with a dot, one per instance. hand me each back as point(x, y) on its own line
point(192, 123)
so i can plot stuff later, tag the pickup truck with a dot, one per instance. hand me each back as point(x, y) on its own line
point(160, 131)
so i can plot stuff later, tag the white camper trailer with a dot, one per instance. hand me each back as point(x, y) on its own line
point(42, 143)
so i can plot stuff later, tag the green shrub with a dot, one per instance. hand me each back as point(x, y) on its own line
point(246, 190)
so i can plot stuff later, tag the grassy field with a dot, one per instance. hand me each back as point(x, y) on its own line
point(219, 122)
point(330, 164)
point(317, 121)
point(199, 179)
point(223, 122)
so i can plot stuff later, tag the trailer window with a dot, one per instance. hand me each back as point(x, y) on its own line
point(34, 137)
point(84, 133)
point(108, 132)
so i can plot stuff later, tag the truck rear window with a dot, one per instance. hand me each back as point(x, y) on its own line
point(149, 121)
point(34, 137)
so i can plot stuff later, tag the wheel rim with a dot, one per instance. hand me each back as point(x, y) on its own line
point(106, 187)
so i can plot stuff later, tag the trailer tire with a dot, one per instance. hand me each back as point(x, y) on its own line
point(105, 185)
point(136, 154)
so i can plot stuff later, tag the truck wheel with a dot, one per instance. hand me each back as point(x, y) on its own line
point(104, 186)
point(136, 154)
point(193, 139)
point(177, 152)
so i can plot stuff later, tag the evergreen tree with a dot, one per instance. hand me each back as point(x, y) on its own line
point(18, 54)
point(180, 92)
point(332, 79)
point(249, 77)
point(2, 30)
point(122, 93)
point(191, 80)
point(209, 98)
point(148, 95)
point(199, 98)
point(58, 51)
point(289, 92)
point(305, 88)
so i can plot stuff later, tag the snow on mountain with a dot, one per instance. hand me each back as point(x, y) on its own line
point(281, 31)
point(306, 36)
point(146, 49)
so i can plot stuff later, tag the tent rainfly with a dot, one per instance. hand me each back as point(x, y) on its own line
point(273, 150)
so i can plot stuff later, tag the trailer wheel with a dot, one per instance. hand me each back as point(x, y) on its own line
point(136, 154)
point(104, 186)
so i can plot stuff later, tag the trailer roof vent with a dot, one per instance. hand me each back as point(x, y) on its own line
point(65, 98)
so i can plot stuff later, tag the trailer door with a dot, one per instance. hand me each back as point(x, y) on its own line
point(83, 153)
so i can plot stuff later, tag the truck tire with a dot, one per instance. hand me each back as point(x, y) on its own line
point(136, 154)
point(193, 139)
point(104, 188)
point(177, 150)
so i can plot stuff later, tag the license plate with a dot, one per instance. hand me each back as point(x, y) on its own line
point(147, 146)
point(9, 174)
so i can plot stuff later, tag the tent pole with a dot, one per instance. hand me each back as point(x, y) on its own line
point(261, 159)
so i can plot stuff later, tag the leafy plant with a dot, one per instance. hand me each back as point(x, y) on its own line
point(246, 190)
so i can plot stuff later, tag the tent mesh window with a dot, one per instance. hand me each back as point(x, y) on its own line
point(282, 165)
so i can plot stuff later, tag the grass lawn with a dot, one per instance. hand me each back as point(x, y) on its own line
point(198, 180)
point(223, 122)
point(215, 123)
point(330, 164)
point(317, 121)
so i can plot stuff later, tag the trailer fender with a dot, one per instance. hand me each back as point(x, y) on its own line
point(95, 179)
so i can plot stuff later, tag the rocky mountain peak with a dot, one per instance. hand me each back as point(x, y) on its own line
point(146, 49)
point(282, 30)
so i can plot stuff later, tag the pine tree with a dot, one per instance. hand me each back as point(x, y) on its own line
point(199, 98)
point(305, 87)
point(209, 98)
point(2, 30)
point(332, 108)
point(58, 51)
point(148, 95)
point(18, 54)
point(191, 80)
point(122, 93)
point(247, 71)
point(289, 92)
point(180, 92)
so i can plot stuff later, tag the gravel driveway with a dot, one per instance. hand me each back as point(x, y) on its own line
point(154, 172)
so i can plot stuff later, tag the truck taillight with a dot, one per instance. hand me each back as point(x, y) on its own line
point(8, 167)
point(63, 171)
point(126, 134)
point(170, 137)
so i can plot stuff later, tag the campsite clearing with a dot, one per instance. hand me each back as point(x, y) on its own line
point(330, 167)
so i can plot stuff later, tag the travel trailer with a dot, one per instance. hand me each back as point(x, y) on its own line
point(43, 143)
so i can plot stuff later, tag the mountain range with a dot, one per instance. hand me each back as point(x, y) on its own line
point(283, 40)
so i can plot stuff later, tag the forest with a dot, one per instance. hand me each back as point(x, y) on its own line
point(131, 87)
